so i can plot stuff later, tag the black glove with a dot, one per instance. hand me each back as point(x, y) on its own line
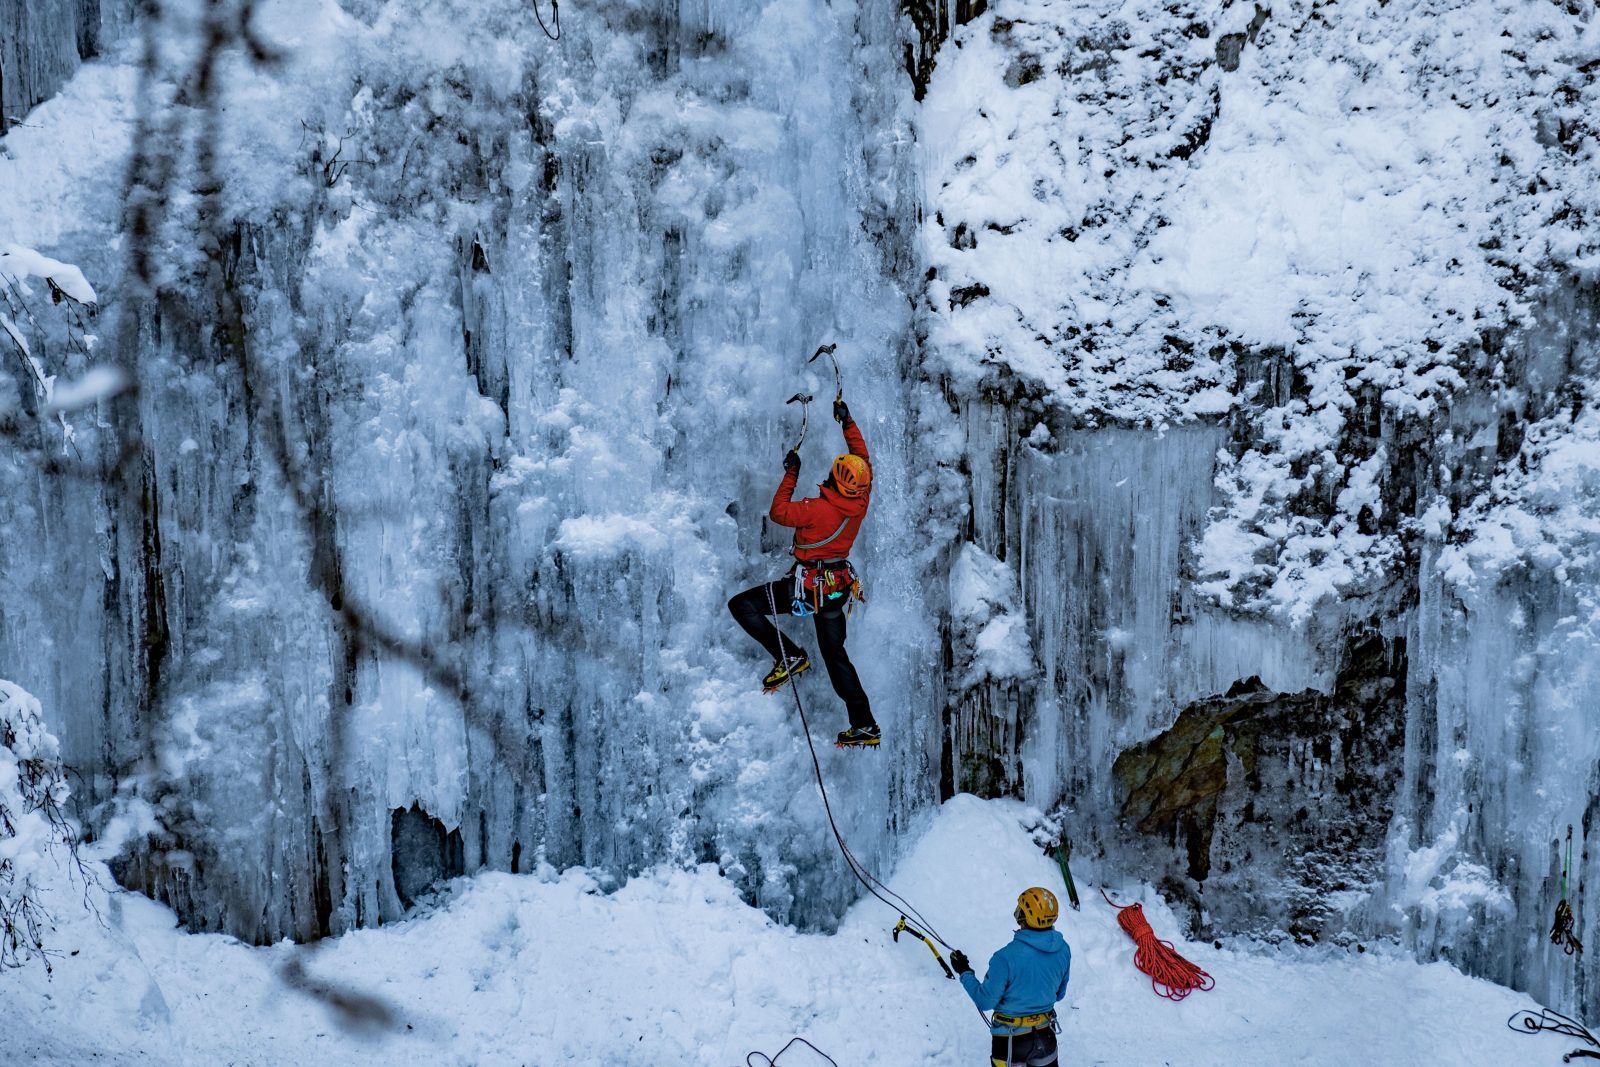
point(841, 412)
point(959, 962)
point(791, 461)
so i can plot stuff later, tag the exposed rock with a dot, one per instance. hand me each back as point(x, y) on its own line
point(1288, 794)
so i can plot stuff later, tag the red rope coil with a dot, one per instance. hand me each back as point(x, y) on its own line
point(1171, 975)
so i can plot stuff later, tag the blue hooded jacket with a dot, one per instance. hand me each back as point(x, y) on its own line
point(1026, 977)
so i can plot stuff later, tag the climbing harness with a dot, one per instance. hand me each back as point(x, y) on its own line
point(1024, 1024)
point(1529, 1022)
point(838, 379)
point(1157, 958)
point(902, 925)
point(555, 13)
point(823, 586)
point(1561, 930)
point(805, 416)
point(772, 1061)
point(869, 881)
point(1061, 851)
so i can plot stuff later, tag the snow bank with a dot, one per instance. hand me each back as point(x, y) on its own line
point(990, 627)
point(673, 968)
point(1151, 212)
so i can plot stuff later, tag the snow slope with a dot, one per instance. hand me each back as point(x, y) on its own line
point(674, 969)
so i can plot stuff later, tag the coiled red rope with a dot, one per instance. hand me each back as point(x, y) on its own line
point(1171, 975)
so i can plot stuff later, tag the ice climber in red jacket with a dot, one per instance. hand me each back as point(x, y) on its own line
point(822, 582)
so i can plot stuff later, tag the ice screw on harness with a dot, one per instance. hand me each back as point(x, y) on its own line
point(920, 936)
point(1561, 930)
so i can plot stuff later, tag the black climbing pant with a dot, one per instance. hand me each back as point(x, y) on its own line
point(753, 611)
point(1037, 1048)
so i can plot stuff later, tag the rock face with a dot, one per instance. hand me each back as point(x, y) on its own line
point(41, 44)
point(1275, 796)
point(1200, 470)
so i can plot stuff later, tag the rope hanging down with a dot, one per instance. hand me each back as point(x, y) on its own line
point(868, 880)
point(1157, 958)
point(555, 14)
point(1529, 1022)
point(1561, 930)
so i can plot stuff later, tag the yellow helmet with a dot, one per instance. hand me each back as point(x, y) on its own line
point(1037, 908)
point(851, 475)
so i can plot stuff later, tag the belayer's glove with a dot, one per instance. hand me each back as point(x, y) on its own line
point(959, 962)
point(791, 461)
point(841, 412)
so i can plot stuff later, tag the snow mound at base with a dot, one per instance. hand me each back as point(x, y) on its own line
point(673, 968)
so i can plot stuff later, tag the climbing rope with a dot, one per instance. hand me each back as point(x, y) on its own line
point(868, 880)
point(1561, 930)
point(1546, 1020)
point(1157, 958)
point(772, 1061)
point(555, 12)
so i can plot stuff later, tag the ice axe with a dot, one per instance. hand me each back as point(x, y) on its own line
point(805, 416)
point(838, 379)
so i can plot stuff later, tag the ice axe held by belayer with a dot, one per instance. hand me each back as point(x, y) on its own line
point(821, 584)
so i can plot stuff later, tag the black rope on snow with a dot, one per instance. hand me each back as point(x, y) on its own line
point(772, 1061)
point(555, 11)
point(868, 880)
point(1528, 1021)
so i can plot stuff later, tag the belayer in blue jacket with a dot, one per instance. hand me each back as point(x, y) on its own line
point(1025, 980)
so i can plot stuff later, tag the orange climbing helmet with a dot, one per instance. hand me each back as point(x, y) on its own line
point(1037, 908)
point(852, 476)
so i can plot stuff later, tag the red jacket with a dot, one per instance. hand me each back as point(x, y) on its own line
point(832, 517)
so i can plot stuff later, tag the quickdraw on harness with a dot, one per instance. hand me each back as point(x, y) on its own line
point(902, 925)
point(1561, 930)
point(824, 585)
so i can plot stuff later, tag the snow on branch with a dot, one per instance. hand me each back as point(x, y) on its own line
point(18, 264)
point(35, 336)
point(34, 830)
